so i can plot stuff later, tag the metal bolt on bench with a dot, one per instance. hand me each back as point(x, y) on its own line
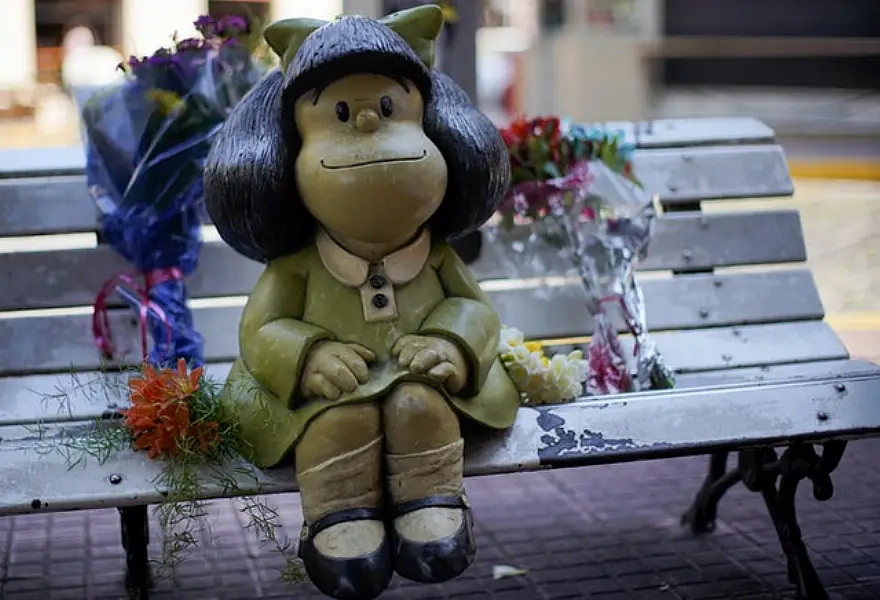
point(759, 372)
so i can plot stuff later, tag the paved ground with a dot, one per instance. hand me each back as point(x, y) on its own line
point(608, 533)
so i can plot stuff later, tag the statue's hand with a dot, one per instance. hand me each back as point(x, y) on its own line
point(433, 356)
point(334, 368)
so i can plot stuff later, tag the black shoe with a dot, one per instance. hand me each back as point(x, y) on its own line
point(440, 560)
point(360, 578)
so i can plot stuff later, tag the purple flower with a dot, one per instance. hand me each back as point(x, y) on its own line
point(231, 25)
point(161, 57)
point(190, 44)
point(205, 24)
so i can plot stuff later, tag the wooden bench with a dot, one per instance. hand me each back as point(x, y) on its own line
point(757, 367)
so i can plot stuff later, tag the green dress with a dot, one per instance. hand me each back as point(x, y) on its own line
point(325, 293)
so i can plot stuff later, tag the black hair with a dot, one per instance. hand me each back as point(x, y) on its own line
point(249, 178)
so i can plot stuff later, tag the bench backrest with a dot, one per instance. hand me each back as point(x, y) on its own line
point(706, 315)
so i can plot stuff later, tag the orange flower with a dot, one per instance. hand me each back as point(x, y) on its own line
point(207, 434)
point(159, 417)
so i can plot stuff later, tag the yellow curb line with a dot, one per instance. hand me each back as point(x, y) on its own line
point(855, 321)
point(835, 168)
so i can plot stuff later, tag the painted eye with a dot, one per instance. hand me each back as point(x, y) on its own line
point(386, 106)
point(342, 111)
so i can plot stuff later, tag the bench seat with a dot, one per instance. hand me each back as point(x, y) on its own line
point(803, 404)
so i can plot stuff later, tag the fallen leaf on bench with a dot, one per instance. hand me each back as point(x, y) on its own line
point(503, 571)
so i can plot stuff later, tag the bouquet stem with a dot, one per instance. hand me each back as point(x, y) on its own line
point(574, 241)
point(651, 371)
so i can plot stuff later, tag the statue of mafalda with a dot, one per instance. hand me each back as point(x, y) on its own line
point(366, 340)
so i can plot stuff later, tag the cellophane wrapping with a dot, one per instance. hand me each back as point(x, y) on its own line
point(575, 200)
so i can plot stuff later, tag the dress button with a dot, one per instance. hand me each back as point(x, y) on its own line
point(380, 300)
point(377, 281)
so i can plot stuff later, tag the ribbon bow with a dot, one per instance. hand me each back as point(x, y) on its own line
point(140, 298)
point(418, 26)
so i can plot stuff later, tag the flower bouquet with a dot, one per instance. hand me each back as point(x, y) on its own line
point(574, 190)
point(146, 142)
point(541, 380)
point(177, 417)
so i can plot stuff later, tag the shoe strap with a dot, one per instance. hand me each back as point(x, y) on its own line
point(345, 516)
point(430, 502)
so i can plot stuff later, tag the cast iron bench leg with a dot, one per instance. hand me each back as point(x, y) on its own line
point(135, 537)
point(761, 469)
point(701, 515)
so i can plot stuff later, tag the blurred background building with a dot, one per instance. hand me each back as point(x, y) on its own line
point(810, 66)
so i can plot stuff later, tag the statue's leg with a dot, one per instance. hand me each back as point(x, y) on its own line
point(339, 470)
point(433, 529)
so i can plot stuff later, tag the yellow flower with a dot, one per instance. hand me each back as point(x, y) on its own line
point(450, 15)
point(534, 347)
point(165, 100)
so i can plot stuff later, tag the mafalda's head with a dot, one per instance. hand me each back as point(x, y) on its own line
point(356, 133)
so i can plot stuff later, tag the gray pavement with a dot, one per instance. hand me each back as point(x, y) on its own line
point(609, 533)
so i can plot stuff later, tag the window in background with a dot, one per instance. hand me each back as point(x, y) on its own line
point(54, 18)
point(785, 20)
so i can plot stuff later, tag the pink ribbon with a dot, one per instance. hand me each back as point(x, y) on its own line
point(100, 313)
point(634, 327)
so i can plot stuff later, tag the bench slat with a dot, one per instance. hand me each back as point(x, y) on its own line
point(842, 369)
point(54, 343)
point(44, 204)
point(690, 302)
point(91, 395)
point(714, 172)
point(703, 350)
point(72, 277)
point(667, 133)
point(606, 430)
point(681, 241)
point(59, 344)
point(41, 162)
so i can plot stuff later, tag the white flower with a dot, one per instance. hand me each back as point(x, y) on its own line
point(510, 339)
point(539, 379)
point(521, 354)
point(540, 390)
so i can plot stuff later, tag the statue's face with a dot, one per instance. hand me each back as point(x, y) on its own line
point(366, 169)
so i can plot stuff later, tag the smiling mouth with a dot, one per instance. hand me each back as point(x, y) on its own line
point(375, 162)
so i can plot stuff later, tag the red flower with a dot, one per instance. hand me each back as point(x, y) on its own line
point(509, 137)
point(159, 417)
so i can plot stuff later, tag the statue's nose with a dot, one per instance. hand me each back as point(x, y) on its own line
point(367, 120)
